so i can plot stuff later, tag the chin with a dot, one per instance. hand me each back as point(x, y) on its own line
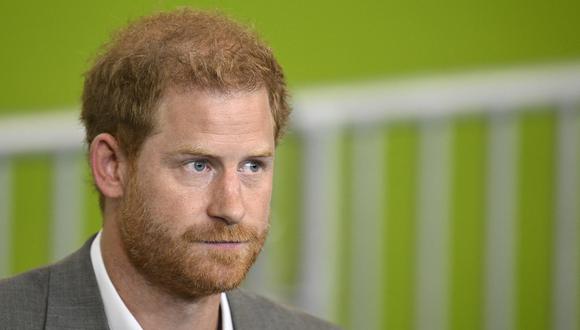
point(208, 282)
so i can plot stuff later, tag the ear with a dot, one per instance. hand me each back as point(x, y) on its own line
point(108, 165)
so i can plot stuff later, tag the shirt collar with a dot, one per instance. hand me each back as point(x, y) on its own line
point(118, 315)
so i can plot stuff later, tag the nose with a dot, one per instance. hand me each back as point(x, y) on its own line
point(227, 204)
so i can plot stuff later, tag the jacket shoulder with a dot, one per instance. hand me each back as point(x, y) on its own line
point(23, 300)
point(250, 311)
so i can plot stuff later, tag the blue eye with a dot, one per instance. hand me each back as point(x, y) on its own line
point(198, 165)
point(252, 166)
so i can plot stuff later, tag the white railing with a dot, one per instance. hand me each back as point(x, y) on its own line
point(323, 113)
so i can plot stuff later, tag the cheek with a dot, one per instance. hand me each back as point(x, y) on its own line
point(175, 203)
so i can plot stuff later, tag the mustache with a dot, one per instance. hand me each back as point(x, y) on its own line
point(221, 233)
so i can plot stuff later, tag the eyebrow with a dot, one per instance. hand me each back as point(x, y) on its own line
point(202, 152)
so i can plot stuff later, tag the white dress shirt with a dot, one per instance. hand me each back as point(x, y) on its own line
point(118, 315)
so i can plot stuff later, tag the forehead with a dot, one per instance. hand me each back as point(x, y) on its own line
point(220, 117)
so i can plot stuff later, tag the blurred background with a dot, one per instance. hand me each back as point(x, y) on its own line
point(430, 179)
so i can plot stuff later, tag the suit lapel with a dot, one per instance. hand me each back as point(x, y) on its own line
point(247, 312)
point(74, 300)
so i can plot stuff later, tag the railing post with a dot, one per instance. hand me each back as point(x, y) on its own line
point(68, 203)
point(5, 217)
point(566, 259)
point(500, 235)
point(433, 251)
point(320, 222)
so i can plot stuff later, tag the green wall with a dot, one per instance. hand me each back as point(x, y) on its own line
point(46, 45)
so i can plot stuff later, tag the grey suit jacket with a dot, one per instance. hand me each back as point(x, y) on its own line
point(66, 296)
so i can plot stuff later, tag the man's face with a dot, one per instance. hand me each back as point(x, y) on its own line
point(195, 212)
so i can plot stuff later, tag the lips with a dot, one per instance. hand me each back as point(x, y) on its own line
point(227, 245)
point(223, 242)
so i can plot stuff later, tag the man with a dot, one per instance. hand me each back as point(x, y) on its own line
point(182, 112)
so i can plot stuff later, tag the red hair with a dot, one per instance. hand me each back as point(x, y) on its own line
point(179, 49)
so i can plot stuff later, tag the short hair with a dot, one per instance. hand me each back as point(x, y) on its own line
point(180, 49)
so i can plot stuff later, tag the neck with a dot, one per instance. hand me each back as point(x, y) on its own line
point(151, 306)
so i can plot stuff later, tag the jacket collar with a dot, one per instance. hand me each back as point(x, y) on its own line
point(250, 312)
point(74, 301)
